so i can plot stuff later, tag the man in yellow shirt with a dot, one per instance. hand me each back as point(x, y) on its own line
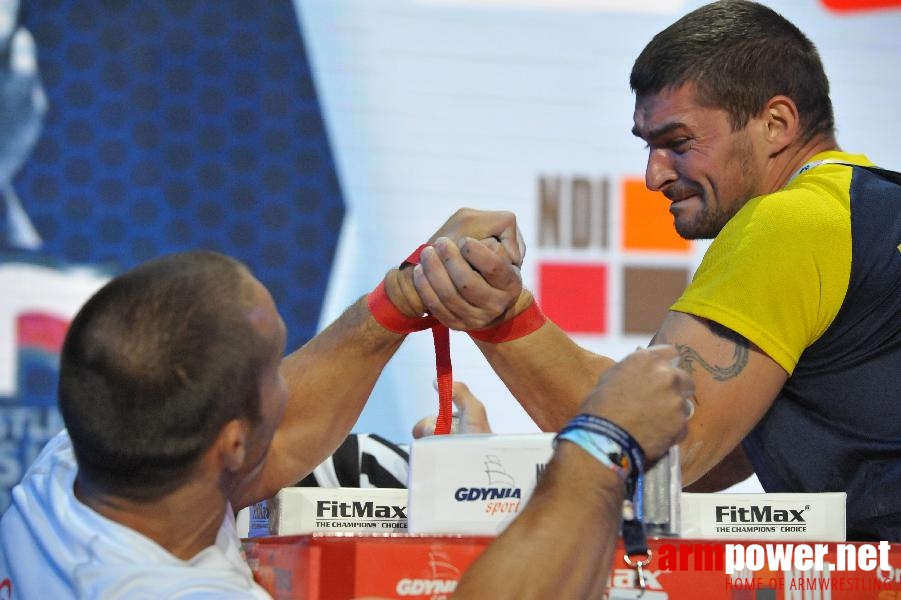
point(791, 326)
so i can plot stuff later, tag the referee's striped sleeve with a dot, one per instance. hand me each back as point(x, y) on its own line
point(362, 460)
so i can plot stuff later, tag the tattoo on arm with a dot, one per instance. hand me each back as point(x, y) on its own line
point(689, 358)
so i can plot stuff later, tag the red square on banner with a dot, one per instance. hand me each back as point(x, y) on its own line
point(849, 5)
point(41, 331)
point(574, 296)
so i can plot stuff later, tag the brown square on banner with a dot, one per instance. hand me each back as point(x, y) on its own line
point(648, 292)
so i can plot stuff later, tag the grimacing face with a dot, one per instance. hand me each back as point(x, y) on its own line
point(706, 170)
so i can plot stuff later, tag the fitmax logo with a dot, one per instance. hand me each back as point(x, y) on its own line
point(759, 514)
point(359, 510)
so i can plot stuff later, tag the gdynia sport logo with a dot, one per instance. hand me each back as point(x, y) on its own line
point(501, 495)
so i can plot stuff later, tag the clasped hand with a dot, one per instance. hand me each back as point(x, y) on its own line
point(469, 278)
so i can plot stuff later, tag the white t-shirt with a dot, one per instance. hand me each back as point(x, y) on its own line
point(53, 546)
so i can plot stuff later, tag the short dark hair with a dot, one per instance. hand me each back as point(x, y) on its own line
point(738, 55)
point(154, 365)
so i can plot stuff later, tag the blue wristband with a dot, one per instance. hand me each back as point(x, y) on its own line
point(602, 448)
point(613, 446)
point(629, 447)
point(613, 431)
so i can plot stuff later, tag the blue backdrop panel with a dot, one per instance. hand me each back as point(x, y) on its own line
point(183, 124)
point(172, 125)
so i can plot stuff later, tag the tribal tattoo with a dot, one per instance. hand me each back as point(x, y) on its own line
point(689, 357)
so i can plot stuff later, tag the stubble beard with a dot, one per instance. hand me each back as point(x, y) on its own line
point(711, 219)
point(707, 224)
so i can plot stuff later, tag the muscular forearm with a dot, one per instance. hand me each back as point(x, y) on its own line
point(329, 380)
point(562, 544)
point(547, 373)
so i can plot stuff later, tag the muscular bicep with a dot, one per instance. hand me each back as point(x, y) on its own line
point(735, 385)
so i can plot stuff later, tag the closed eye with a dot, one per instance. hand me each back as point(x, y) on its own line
point(679, 145)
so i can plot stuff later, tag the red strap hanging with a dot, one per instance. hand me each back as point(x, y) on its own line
point(441, 337)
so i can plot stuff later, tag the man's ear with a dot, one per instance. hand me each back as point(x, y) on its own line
point(781, 122)
point(231, 444)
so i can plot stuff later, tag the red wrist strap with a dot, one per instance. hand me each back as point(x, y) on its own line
point(388, 316)
point(529, 320)
point(413, 259)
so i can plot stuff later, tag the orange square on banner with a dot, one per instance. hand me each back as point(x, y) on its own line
point(574, 296)
point(647, 224)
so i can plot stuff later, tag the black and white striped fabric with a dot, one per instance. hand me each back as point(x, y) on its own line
point(363, 460)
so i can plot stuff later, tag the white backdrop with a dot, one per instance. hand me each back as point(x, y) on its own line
point(433, 105)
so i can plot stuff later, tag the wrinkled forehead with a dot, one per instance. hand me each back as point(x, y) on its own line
point(656, 113)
